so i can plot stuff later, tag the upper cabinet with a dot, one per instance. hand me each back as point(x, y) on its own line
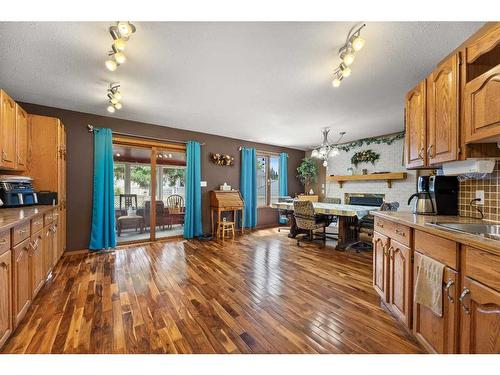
point(415, 119)
point(14, 128)
point(443, 112)
point(7, 131)
point(482, 88)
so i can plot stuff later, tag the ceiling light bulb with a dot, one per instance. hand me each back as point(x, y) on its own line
point(120, 58)
point(169, 155)
point(117, 95)
point(119, 44)
point(358, 43)
point(124, 28)
point(315, 153)
point(118, 106)
point(325, 163)
point(111, 109)
point(117, 155)
point(346, 72)
point(336, 82)
point(113, 100)
point(111, 65)
point(348, 58)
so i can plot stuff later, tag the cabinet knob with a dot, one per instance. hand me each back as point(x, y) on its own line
point(3, 265)
point(4, 155)
point(429, 151)
point(466, 309)
point(3, 241)
point(447, 289)
point(400, 233)
point(420, 153)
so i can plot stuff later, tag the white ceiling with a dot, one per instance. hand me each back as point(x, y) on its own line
point(265, 82)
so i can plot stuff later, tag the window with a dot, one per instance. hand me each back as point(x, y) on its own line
point(267, 179)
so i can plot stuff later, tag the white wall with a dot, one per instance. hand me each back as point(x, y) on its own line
point(391, 160)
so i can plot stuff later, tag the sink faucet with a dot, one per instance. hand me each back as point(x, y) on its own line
point(473, 205)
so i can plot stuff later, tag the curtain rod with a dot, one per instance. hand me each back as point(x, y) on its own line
point(264, 152)
point(91, 130)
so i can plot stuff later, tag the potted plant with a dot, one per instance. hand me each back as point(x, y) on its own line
point(307, 171)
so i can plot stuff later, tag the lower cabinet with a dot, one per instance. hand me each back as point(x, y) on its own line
point(5, 296)
point(400, 281)
point(479, 319)
point(21, 280)
point(438, 334)
point(48, 249)
point(381, 265)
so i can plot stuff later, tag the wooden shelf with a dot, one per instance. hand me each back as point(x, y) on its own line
point(389, 177)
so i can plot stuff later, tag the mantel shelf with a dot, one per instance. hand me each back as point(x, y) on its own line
point(389, 177)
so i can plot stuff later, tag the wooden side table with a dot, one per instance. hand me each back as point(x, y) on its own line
point(223, 227)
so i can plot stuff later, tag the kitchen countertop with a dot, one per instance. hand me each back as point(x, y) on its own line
point(13, 216)
point(421, 222)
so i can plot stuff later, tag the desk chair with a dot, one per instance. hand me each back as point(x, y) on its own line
point(308, 221)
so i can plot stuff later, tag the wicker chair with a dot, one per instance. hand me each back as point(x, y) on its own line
point(306, 219)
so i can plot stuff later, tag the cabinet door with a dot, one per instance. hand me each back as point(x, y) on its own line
point(438, 334)
point(21, 138)
point(482, 106)
point(54, 232)
point(480, 319)
point(5, 296)
point(443, 112)
point(36, 263)
point(380, 264)
point(47, 250)
point(400, 281)
point(22, 281)
point(7, 131)
point(415, 123)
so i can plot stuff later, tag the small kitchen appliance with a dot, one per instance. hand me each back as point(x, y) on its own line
point(424, 204)
point(444, 194)
point(17, 191)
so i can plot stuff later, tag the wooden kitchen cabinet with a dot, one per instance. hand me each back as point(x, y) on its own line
point(7, 131)
point(438, 334)
point(415, 124)
point(5, 296)
point(61, 188)
point(48, 249)
point(36, 263)
point(400, 281)
point(479, 319)
point(21, 280)
point(443, 116)
point(381, 265)
point(21, 138)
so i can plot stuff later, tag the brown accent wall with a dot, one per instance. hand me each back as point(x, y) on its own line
point(80, 160)
point(491, 187)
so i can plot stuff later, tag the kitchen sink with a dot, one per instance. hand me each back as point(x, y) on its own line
point(486, 230)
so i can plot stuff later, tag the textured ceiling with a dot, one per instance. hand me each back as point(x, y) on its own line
point(264, 82)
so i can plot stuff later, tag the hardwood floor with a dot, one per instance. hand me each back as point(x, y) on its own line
point(257, 294)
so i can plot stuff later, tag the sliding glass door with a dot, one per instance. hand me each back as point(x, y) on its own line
point(143, 172)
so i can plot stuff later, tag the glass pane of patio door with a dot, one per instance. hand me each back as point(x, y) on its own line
point(170, 198)
point(132, 185)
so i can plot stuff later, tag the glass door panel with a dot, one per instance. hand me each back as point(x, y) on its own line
point(170, 192)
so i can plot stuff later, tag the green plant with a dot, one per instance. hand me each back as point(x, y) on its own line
point(307, 171)
point(364, 157)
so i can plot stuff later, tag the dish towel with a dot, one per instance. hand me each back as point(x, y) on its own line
point(429, 285)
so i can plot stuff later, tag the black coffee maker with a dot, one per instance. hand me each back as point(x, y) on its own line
point(444, 194)
point(423, 205)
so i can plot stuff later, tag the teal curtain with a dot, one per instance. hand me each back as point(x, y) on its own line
point(248, 185)
point(192, 219)
point(102, 234)
point(283, 180)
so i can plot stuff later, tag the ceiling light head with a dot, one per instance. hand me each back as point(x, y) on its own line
point(117, 95)
point(113, 101)
point(346, 71)
point(348, 57)
point(336, 81)
point(125, 28)
point(315, 153)
point(111, 65)
point(120, 58)
point(325, 163)
point(111, 109)
point(118, 155)
point(119, 44)
point(358, 43)
point(118, 105)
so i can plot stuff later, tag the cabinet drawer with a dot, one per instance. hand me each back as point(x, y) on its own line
point(483, 267)
point(398, 232)
point(36, 224)
point(20, 233)
point(438, 248)
point(4, 241)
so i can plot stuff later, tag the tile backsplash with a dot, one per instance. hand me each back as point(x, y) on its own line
point(491, 187)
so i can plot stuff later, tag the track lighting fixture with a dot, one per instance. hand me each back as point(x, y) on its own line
point(114, 97)
point(354, 43)
point(120, 33)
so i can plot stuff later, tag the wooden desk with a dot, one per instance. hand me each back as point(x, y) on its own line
point(221, 201)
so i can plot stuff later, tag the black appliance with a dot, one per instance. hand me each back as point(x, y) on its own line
point(47, 197)
point(423, 205)
point(17, 191)
point(444, 194)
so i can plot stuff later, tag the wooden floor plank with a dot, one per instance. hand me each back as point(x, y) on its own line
point(258, 293)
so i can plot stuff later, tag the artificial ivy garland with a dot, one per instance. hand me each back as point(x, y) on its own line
point(364, 157)
point(387, 139)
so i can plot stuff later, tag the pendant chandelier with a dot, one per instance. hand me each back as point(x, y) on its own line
point(327, 150)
